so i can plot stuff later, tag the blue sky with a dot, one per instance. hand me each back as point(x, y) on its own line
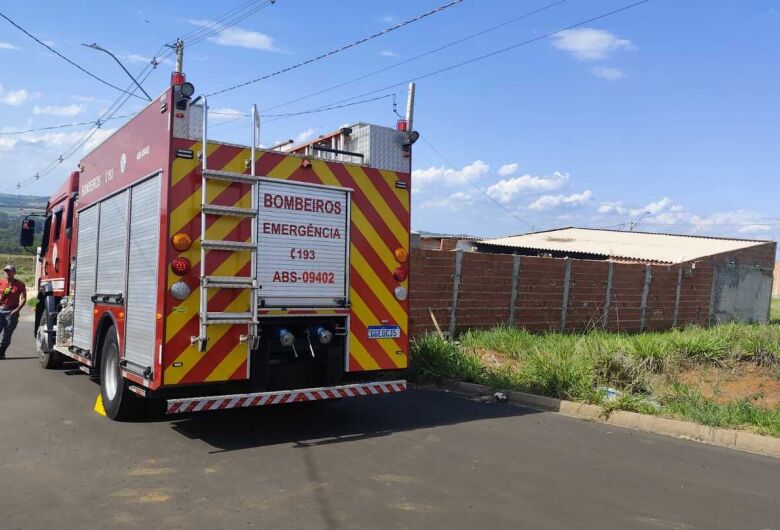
point(670, 108)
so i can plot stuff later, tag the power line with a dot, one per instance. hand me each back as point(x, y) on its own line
point(310, 111)
point(210, 25)
point(340, 49)
point(220, 26)
point(105, 116)
point(425, 54)
point(483, 192)
point(64, 126)
point(496, 52)
point(36, 39)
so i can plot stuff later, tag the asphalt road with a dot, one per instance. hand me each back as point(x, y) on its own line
point(423, 459)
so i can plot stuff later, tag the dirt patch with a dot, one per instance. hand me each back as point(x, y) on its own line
point(741, 381)
point(493, 359)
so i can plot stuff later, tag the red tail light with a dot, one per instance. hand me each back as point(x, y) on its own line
point(181, 265)
point(401, 273)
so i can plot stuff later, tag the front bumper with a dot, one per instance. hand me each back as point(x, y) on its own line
point(280, 397)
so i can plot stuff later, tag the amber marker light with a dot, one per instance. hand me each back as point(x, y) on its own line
point(401, 255)
point(181, 242)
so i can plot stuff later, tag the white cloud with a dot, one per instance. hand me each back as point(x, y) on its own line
point(653, 208)
point(508, 169)
point(304, 135)
point(552, 201)
point(389, 19)
point(590, 43)
point(504, 191)
point(226, 114)
point(138, 58)
point(7, 143)
point(66, 110)
point(747, 229)
point(388, 53)
point(448, 176)
point(98, 138)
point(608, 73)
point(84, 99)
point(239, 37)
point(8, 46)
point(13, 98)
point(612, 207)
point(50, 43)
point(457, 201)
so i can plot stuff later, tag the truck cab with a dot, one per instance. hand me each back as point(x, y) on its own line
point(53, 271)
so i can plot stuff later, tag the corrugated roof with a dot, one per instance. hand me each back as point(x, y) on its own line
point(644, 246)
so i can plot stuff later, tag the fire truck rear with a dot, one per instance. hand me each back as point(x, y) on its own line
point(202, 275)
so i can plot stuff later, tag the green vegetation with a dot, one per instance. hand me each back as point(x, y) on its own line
point(13, 208)
point(25, 266)
point(645, 371)
point(691, 405)
point(774, 311)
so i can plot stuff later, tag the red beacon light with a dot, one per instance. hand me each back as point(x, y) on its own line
point(177, 78)
point(401, 125)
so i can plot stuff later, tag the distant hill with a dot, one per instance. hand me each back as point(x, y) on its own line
point(13, 208)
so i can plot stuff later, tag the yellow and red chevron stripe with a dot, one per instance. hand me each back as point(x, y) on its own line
point(379, 226)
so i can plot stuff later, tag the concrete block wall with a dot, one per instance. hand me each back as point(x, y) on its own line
point(468, 290)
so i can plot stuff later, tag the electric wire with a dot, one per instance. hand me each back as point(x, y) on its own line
point(395, 65)
point(495, 52)
point(232, 17)
point(222, 26)
point(340, 49)
point(36, 39)
point(480, 190)
point(107, 115)
point(424, 54)
point(64, 126)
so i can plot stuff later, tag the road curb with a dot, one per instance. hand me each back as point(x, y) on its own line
point(731, 438)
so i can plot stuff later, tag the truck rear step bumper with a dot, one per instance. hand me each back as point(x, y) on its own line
point(234, 401)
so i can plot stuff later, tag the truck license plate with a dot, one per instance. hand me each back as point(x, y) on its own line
point(384, 332)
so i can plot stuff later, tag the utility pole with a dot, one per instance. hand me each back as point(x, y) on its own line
point(179, 47)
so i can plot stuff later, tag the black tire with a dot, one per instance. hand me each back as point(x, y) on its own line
point(119, 403)
point(44, 344)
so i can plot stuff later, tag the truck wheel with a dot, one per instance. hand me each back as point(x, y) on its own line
point(119, 403)
point(49, 358)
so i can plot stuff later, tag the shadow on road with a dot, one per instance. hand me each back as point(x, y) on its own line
point(322, 423)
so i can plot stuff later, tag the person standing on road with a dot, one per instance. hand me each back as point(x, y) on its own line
point(13, 296)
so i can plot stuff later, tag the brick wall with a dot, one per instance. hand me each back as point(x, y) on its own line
point(485, 282)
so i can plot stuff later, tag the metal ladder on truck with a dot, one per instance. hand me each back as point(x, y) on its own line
point(207, 282)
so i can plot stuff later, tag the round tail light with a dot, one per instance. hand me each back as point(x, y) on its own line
point(181, 265)
point(401, 273)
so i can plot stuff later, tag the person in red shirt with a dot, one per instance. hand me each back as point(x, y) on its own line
point(13, 296)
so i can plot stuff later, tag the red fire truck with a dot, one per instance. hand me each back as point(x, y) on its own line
point(204, 275)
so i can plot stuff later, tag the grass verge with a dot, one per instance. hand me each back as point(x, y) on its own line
point(640, 373)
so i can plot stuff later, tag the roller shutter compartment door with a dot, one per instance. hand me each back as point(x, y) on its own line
point(112, 245)
point(142, 273)
point(86, 255)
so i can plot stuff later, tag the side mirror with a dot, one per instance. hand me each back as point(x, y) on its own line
point(27, 234)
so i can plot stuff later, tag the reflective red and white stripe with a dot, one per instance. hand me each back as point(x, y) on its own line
point(234, 401)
